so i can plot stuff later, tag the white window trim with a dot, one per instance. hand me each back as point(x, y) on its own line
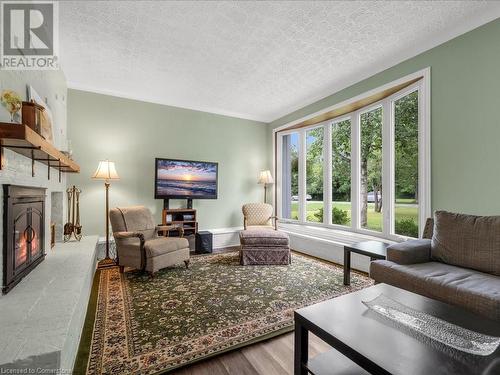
point(424, 161)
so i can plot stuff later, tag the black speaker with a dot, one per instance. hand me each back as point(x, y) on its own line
point(204, 242)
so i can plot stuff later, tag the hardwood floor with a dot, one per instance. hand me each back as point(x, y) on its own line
point(270, 357)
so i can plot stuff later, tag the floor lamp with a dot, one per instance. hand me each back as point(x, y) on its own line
point(106, 171)
point(265, 179)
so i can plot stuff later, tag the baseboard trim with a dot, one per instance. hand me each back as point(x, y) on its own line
point(226, 237)
point(223, 237)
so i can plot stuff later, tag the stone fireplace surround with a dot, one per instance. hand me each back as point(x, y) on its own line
point(43, 315)
point(17, 171)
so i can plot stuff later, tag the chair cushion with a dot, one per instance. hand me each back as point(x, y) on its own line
point(473, 290)
point(163, 245)
point(263, 238)
point(254, 227)
point(467, 241)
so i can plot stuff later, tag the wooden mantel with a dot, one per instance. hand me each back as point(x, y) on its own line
point(23, 140)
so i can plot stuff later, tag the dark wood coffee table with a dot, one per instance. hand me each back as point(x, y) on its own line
point(373, 249)
point(363, 342)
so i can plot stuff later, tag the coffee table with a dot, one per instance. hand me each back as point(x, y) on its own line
point(373, 249)
point(365, 343)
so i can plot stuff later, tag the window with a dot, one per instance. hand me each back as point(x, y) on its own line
point(365, 171)
point(370, 166)
point(290, 176)
point(314, 174)
point(341, 172)
point(406, 165)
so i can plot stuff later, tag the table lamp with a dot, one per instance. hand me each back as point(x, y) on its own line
point(265, 179)
point(106, 171)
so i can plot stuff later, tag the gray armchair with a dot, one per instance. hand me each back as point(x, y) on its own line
point(138, 244)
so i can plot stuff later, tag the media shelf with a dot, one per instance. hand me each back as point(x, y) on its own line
point(185, 217)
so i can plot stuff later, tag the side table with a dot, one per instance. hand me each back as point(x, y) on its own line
point(373, 249)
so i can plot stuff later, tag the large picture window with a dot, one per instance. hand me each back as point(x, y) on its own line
point(341, 172)
point(370, 176)
point(406, 165)
point(290, 176)
point(314, 174)
point(361, 171)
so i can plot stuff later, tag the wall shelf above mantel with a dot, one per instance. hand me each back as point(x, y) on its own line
point(23, 140)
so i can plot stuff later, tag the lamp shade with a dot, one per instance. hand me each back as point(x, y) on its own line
point(106, 171)
point(265, 177)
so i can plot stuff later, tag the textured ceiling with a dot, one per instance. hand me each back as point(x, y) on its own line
point(256, 60)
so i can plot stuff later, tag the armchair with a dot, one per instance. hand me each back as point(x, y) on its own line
point(259, 216)
point(138, 244)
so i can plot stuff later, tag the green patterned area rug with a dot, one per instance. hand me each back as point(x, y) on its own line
point(148, 326)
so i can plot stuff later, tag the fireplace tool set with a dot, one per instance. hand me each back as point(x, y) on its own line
point(73, 227)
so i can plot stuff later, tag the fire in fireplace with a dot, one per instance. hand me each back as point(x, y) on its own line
point(24, 232)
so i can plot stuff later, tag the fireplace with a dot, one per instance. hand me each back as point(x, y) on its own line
point(23, 232)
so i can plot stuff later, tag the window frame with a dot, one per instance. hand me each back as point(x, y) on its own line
point(388, 159)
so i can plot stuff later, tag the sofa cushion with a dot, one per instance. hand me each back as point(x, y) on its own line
point(163, 245)
point(263, 238)
point(467, 241)
point(473, 290)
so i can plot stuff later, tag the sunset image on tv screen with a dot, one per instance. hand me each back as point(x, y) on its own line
point(188, 179)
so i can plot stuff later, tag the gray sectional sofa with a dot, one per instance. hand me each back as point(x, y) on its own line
point(459, 264)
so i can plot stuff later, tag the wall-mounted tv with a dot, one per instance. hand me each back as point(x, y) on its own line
point(185, 179)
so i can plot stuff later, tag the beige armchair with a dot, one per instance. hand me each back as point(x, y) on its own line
point(138, 244)
point(259, 216)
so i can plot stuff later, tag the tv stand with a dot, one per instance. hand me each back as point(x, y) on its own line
point(183, 217)
point(166, 203)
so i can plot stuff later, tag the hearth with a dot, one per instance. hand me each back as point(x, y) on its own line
point(23, 232)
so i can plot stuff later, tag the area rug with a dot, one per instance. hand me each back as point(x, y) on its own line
point(149, 326)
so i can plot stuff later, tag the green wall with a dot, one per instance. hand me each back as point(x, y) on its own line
point(465, 113)
point(132, 133)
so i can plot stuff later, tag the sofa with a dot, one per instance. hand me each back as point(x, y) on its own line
point(459, 263)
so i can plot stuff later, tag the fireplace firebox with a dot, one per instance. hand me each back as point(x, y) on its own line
point(23, 232)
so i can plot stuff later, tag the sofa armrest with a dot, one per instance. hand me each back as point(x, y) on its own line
point(410, 252)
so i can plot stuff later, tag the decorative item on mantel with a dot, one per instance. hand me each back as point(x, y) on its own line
point(106, 171)
point(46, 121)
point(265, 179)
point(32, 116)
point(11, 100)
point(72, 226)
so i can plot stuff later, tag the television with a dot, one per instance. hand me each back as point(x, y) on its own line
point(185, 179)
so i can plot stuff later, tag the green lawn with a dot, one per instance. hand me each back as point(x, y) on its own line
point(405, 208)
